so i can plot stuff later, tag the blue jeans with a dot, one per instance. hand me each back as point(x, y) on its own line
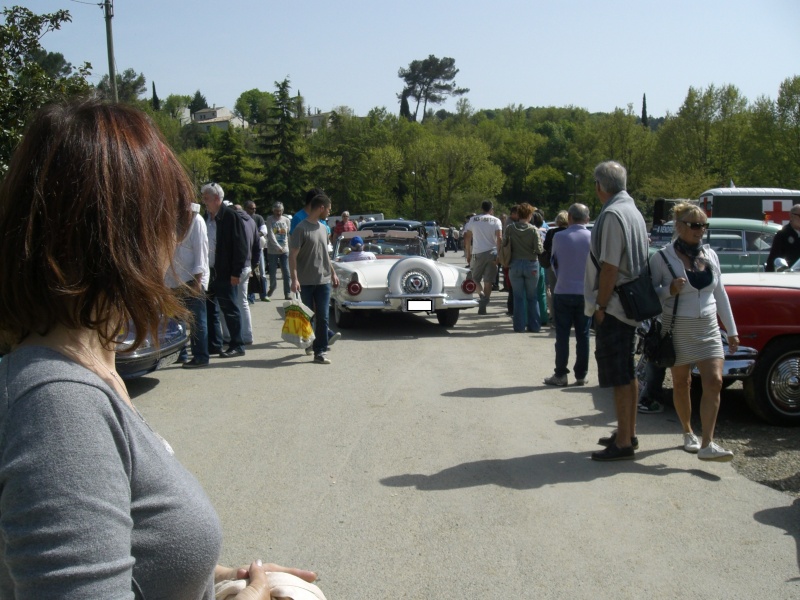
point(199, 337)
point(568, 309)
point(524, 276)
point(318, 298)
point(227, 297)
point(273, 271)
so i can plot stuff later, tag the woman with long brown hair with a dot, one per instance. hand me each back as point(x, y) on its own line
point(93, 504)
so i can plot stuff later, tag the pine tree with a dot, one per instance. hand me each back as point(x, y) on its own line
point(198, 102)
point(282, 151)
point(645, 121)
point(156, 102)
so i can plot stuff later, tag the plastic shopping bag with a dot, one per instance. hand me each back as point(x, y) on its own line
point(297, 327)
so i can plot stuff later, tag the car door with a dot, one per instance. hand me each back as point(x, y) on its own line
point(759, 244)
point(730, 248)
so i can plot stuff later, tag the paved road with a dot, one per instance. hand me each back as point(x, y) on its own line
point(432, 464)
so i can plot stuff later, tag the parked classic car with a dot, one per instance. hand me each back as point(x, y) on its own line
point(437, 242)
point(400, 278)
point(741, 244)
point(149, 357)
point(765, 307)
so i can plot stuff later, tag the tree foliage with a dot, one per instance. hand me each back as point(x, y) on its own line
point(130, 86)
point(429, 81)
point(29, 76)
point(254, 106)
point(282, 150)
point(198, 102)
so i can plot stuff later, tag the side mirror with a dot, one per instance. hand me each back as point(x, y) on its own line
point(780, 265)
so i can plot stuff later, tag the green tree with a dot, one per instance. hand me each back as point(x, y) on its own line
point(198, 163)
point(130, 86)
point(25, 83)
point(450, 167)
point(155, 102)
point(788, 121)
point(282, 151)
point(429, 81)
point(175, 104)
point(254, 106)
point(645, 120)
point(231, 166)
point(198, 102)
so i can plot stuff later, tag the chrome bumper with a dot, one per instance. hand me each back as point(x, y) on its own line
point(737, 366)
point(396, 302)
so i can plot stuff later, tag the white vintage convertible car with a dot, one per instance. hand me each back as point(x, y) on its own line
point(399, 278)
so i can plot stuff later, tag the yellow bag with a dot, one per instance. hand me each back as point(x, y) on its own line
point(297, 327)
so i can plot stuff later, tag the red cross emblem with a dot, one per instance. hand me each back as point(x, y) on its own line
point(776, 211)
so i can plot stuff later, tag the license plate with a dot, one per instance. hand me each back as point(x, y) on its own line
point(419, 305)
point(167, 360)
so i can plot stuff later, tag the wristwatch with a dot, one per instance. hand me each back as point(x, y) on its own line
point(597, 308)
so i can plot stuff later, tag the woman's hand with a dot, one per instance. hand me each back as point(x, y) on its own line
point(309, 576)
point(733, 343)
point(676, 286)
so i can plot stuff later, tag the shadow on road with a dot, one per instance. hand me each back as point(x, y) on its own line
point(786, 518)
point(535, 471)
point(490, 392)
point(140, 385)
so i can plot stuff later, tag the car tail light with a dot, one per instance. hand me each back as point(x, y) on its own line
point(354, 288)
point(469, 286)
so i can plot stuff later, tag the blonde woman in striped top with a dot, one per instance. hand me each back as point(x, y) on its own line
point(694, 282)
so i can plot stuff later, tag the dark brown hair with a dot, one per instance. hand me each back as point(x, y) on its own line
point(90, 213)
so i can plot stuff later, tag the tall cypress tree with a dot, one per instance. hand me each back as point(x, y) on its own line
point(645, 121)
point(155, 102)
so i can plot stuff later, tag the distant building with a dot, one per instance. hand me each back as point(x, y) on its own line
point(219, 117)
point(318, 121)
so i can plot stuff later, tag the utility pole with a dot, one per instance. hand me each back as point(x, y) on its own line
point(108, 9)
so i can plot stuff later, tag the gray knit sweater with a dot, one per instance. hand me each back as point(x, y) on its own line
point(92, 502)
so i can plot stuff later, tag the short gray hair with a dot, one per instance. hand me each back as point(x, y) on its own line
point(278, 205)
point(214, 188)
point(611, 176)
point(579, 213)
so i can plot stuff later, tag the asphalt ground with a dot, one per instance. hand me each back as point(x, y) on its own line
point(426, 463)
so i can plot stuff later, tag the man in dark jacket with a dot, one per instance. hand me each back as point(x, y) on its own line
point(227, 255)
point(787, 241)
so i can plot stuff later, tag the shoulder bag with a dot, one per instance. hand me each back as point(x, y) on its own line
point(659, 347)
point(638, 297)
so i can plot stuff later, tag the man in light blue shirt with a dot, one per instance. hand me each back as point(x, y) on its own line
point(568, 259)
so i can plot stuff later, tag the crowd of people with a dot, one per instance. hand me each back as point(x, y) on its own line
point(578, 272)
point(67, 291)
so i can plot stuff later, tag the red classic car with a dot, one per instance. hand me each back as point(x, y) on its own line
point(766, 307)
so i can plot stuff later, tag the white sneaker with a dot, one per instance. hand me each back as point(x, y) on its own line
point(554, 379)
point(714, 452)
point(582, 381)
point(691, 443)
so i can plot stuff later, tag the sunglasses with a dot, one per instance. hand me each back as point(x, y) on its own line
point(695, 225)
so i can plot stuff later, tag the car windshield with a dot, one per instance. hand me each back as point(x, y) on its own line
point(432, 231)
point(384, 246)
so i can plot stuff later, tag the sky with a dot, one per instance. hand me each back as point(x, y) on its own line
point(585, 53)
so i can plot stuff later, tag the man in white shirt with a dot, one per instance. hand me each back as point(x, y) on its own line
point(483, 235)
point(189, 271)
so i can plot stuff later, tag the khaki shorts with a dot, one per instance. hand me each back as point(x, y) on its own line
point(483, 266)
